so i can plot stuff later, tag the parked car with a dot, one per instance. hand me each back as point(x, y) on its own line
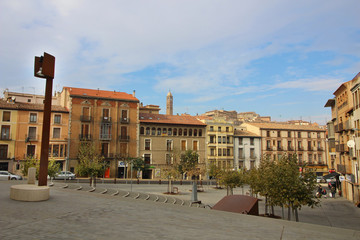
point(65, 174)
point(5, 175)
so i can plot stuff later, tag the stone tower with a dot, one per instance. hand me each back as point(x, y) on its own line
point(169, 104)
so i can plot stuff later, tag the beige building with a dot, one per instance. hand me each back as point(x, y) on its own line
point(308, 142)
point(219, 142)
point(163, 138)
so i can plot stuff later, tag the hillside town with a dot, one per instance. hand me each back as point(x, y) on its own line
point(120, 126)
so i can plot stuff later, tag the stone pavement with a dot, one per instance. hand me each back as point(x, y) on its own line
point(79, 214)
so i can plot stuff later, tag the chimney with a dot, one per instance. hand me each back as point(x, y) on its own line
point(133, 93)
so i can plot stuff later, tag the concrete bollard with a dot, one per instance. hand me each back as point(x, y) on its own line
point(31, 175)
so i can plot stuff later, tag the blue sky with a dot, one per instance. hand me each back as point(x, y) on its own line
point(279, 58)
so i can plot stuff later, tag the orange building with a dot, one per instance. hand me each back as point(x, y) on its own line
point(107, 118)
point(26, 132)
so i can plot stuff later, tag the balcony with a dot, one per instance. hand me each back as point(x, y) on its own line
point(252, 156)
point(279, 148)
point(124, 138)
point(300, 149)
point(85, 137)
point(242, 156)
point(269, 149)
point(5, 137)
point(32, 138)
point(84, 118)
point(124, 120)
point(105, 137)
point(340, 148)
point(320, 149)
point(290, 148)
point(105, 119)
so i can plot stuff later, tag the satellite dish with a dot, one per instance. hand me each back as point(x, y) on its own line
point(350, 143)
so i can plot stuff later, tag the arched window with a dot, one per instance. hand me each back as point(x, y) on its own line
point(190, 132)
point(180, 132)
point(195, 132)
point(153, 131)
point(159, 131)
point(142, 130)
point(164, 131)
point(174, 131)
point(185, 132)
point(200, 132)
point(169, 131)
point(147, 131)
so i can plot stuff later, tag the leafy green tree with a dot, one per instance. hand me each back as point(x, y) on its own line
point(28, 163)
point(232, 179)
point(215, 172)
point(188, 163)
point(138, 165)
point(53, 168)
point(91, 163)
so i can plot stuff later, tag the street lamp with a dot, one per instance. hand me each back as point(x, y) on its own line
point(44, 67)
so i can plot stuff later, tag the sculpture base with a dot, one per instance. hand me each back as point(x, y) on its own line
point(29, 193)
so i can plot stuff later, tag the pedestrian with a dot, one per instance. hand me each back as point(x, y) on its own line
point(324, 192)
point(333, 191)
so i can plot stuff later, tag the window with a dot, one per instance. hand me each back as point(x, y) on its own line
point(147, 144)
point(289, 145)
point(219, 152)
point(124, 117)
point(3, 151)
point(159, 131)
point(309, 145)
point(175, 132)
point(252, 164)
point(55, 151)
point(300, 158)
point(241, 153)
point(180, 132)
point(299, 145)
point(33, 117)
point(241, 164)
point(268, 144)
point(200, 132)
point(224, 152)
point(195, 145)
point(219, 139)
point(185, 132)
point(106, 113)
point(212, 139)
point(227, 129)
point(85, 133)
point(57, 118)
point(56, 132)
point(228, 152)
point(212, 152)
point(310, 158)
point(211, 128)
point(268, 133)
point(105, 149)
point(279, 145)
point(190, 132)
point(195, 132)
point(169, 131)
point(320, 159)
point(224, 139)
point(147, 158)
point(153, 131)
point(147, 131)
point(169, 145)
point(142, 131)
point(299, 134)
point(252, 141)
point(289, 134)
point(318, 135)
point(219, 129)
point(32, 133)
point(309, 134)
point(183, 145)
point(279, 134)
point(252, 153)
point(164, 131)
point(5, 132)
point(6, 116)
point(105, 131)
point(30, 151)
point(240, 141)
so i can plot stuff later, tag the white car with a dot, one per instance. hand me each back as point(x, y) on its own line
point(65, 174)
point(5, 175)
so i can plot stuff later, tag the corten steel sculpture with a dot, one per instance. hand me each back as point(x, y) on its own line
point(44, 67)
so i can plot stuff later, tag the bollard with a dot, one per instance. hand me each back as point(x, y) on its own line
point(180, 182)
point(31, 175)
point(160, 181)
point(138, 181)
point(114, 180)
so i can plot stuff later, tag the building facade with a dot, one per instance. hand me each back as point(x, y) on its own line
point(108, 119)
point(163, 138)
point(308, 142)
point(247, 150)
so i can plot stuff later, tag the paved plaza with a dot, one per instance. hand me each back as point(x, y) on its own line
point(113, 212)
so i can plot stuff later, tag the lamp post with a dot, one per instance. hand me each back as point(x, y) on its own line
point(44, 67)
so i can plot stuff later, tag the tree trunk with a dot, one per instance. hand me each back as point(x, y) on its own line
point(289, 212)
point(296, 215)
point(266, 205)
point(282, 212)
point(272, 210)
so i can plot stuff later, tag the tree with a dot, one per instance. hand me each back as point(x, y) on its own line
point(138, 164)
point(28, 163)
point(215, 172)
point(188, 163)
point(232, 179)
point(53, 168)
point(90, 162)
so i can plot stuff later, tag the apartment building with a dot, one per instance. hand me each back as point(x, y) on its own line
point(355, 90)
point(247, 149)
point(163, 138)
point(219, 142)
point(109, 119)
point(21, 130)
point(308, 142)
point(341, 129)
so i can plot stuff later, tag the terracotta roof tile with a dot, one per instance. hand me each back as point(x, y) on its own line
point(285, 126)
point(83, 92)
point(242, 133)
point(30, 107)
point(169, 119)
